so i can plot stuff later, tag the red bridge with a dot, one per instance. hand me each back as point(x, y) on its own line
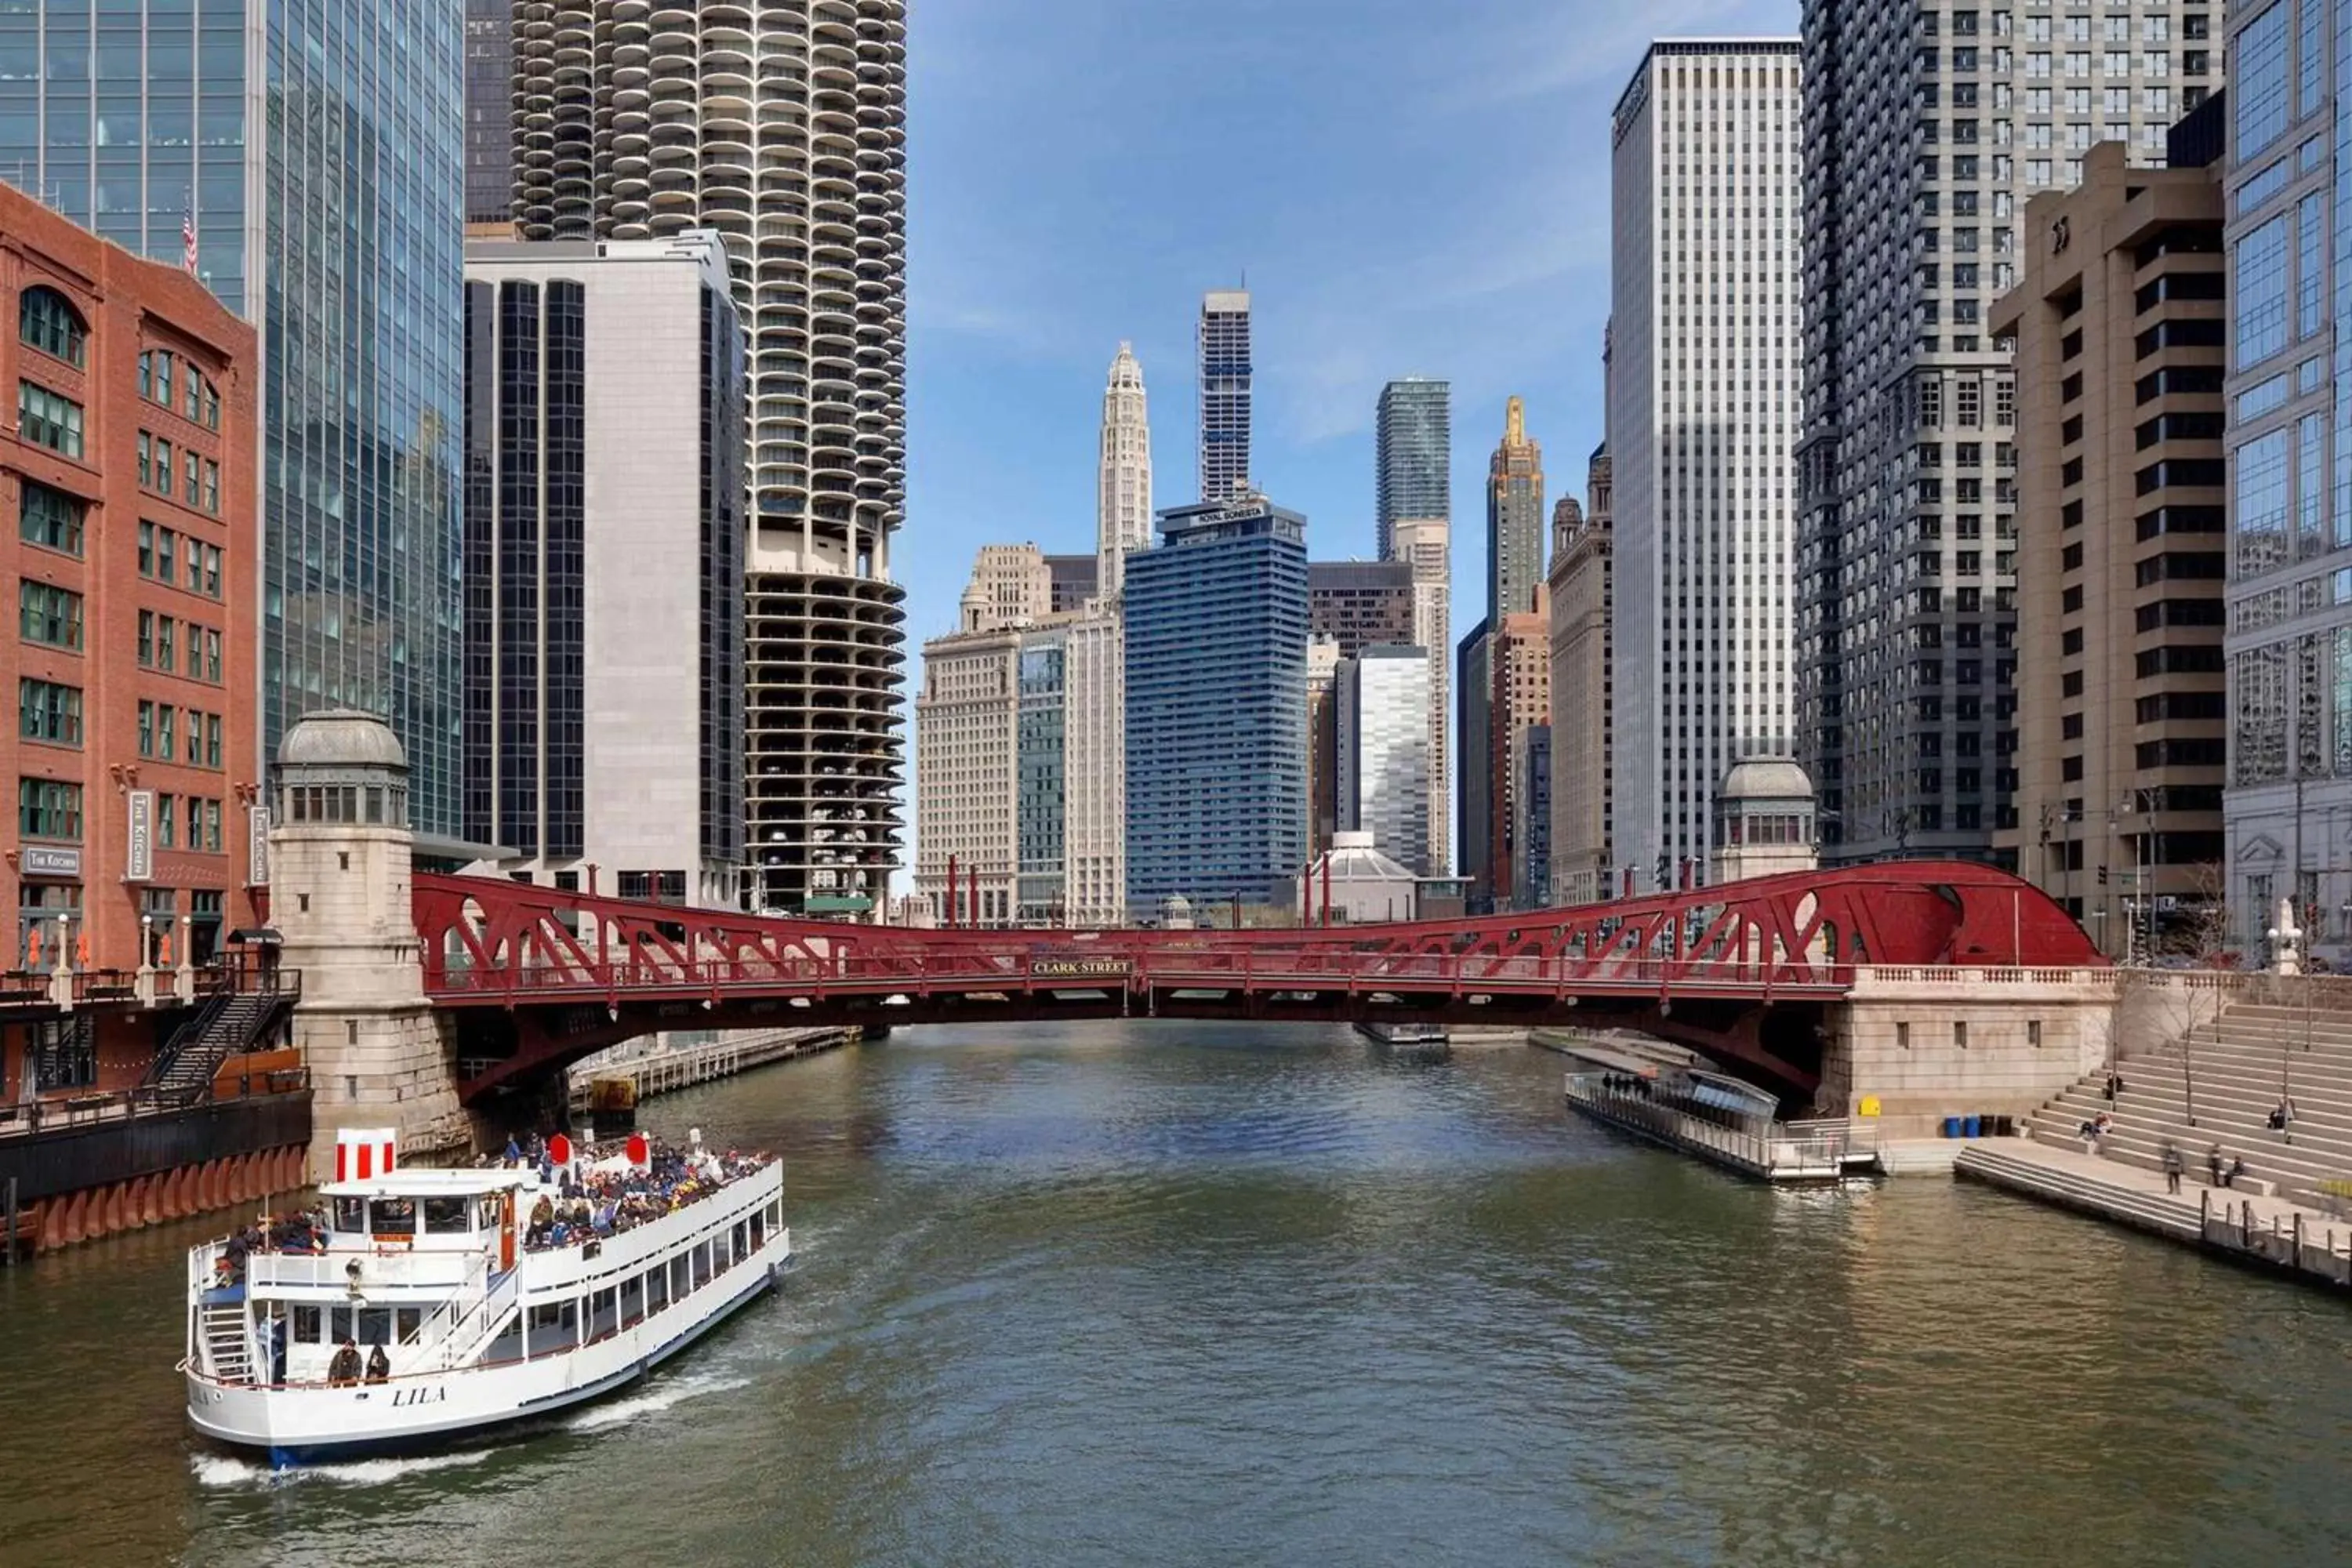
point(1743, 972)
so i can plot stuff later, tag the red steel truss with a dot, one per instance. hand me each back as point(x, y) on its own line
point(549, 955)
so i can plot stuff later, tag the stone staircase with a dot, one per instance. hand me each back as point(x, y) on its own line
point(2230, 1075)
point(2166, 1216)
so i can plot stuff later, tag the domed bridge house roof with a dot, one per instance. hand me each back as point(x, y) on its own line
point(1354, 860)
point(1766, 778)
point(341, 738)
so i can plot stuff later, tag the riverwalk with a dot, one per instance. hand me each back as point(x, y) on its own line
point(662, 1068)
point(2251, 1227)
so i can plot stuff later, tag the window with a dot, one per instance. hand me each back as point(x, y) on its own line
point(192, 489)
point(163, 467)
point(2258, 93)
point(167, 637)
point(146, 729)
point(212, 571)
point(2262, 305)
point(212, 740)
point(48, 614)
point(48, 711)
point(196, 565)
point(46, 419)
point(212, 655)
point(49, 518)
point(167, 815)
point(146, 549)
point(47, 322)
point(212, 829)
point(195, 738)
point(166, 730)
point(48, 808)
point(147, 639)
point(212, 487)
point(163, 378)
point(146, 459)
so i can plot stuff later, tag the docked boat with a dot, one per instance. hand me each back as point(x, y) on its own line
point(421, 1305)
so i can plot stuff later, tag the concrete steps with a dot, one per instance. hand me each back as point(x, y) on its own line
point(2166, 1216)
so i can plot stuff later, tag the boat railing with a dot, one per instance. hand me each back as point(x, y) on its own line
point(474, 1321)
point(428, 1269)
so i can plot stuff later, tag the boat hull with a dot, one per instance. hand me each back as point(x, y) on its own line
point(316, 1426)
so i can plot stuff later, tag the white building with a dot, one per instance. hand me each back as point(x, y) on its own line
point(1123, 488)
point(1427, 542)
point(1927, 130)
point(1094, 807)
point(1225, 386)
point(604, 593)
point(1357, 884)
point(1703, 411)
point(967, 751)
point(1384, 749)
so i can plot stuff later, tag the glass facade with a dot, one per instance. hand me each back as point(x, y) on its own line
point(1216, 707)
point(1041, 770)
point(1415, 444)
point(130, 117)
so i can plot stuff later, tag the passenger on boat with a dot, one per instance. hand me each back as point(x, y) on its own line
point(344, 1371)
point(379, 1366)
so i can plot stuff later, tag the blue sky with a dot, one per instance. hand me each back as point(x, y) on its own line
point(1414, 186)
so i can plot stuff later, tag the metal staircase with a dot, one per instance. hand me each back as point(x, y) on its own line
point(226, 1025)
point(228, 1344)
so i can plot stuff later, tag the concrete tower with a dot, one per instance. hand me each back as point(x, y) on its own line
point(783, 127)
point(1123, 494)
point(1224, 395)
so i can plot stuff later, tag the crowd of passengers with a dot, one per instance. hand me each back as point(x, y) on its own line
point(590, 1204)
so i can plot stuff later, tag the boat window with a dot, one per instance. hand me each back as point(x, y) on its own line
point(410, 1320)
point(350, 1214)
point(680, 1284)
point(759, 1231)
point(339, 1322)
point(306, 1325)
point(391, 1217)
point(375, 1325)
point(444, 1216)
point(742, 1241)
point(657, 1289)
point(775, 1214)
point(486, 1212)
point(633, 1299)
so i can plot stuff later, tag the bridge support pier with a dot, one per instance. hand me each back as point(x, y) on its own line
point(1926, 1044)
point(341, 898)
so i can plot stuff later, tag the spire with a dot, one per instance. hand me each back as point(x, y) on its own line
point(1515, 422)
point(1123, 496)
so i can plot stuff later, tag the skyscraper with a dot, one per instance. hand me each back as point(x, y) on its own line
point(1515, 519)
point(1123, 495)
point(1519, 652)
point(1415, 441)
point(604, 595)
point(784, 127)
point(1702, 418)
point(489, 111)
point(1583, 691)
point(350, 137)
point(1224, 393)
point(1216, 706)
point(1919, 151)
point(1423, 543)
point(1473, 700)
point(1383, 751)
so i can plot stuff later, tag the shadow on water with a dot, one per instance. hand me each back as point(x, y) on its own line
point(1169, 1293)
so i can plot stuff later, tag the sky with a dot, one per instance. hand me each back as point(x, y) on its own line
point(1410, 187)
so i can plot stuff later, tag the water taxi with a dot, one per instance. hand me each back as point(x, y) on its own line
point(413, 1306)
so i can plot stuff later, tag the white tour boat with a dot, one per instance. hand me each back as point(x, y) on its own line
point(482, 1318)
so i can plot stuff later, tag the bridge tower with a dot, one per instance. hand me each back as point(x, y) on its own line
point(340, 896)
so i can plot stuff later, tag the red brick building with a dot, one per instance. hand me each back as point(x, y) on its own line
point(129, 467)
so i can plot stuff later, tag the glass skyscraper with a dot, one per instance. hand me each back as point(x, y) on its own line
point(1415, 440)
point(133, 117)
point(1216, 707)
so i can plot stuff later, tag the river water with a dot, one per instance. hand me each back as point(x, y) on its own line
point(1159, 1293)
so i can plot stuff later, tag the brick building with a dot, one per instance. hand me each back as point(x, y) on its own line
point(130, 466)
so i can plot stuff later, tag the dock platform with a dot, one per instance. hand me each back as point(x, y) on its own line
point(1827, 1151)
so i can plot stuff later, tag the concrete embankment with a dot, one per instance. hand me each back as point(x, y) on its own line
point(665, 1068)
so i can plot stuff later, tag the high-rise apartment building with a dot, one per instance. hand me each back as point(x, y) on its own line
point(1520, 700)
point(1424, 544)
point(783, 128)
point(1094, 808)
point(1010, 585)
point(1925, 131)
point(1123, 484)
point(2288, 802)
point(1474, 702)
point(1583, 691)
point(604, 595)
point(1322, 741)
point(1216, 706)
point(1414, 442)
point(2122, 738)
point(1515, 519)
point(1703, 392)
point(1383, 751)
point(1531, 818)
point(1359, 603)
point(1224, 392)
point(1040, 778)
point(489, 113)
point(326, 193)
point(129, 469)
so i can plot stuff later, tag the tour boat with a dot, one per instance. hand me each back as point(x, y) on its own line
point(484, 1318)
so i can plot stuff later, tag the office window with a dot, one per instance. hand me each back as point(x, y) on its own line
point(48, 517)
point(2261, 313)
point(48, 712)
point(48, 323)
point(48, 419)
point(48, 614)
point(2259, 93)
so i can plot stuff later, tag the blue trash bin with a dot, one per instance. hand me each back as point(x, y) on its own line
point(1951, 1127)
point(1968, 1127)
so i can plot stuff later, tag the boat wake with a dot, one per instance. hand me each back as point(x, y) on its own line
point(620, 1412)
point(228, 1470)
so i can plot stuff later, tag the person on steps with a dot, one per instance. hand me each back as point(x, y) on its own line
point(2213, 1166)
point(2237, 1168)
point(2172, 1166)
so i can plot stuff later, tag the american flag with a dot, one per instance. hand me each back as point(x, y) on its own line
point(188, 236)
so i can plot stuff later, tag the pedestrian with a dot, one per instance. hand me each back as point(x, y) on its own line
point(2172, 1163)
point(379, 1367)
point(344, 1370)
point(2213, 1165)
point(2237, 1168)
